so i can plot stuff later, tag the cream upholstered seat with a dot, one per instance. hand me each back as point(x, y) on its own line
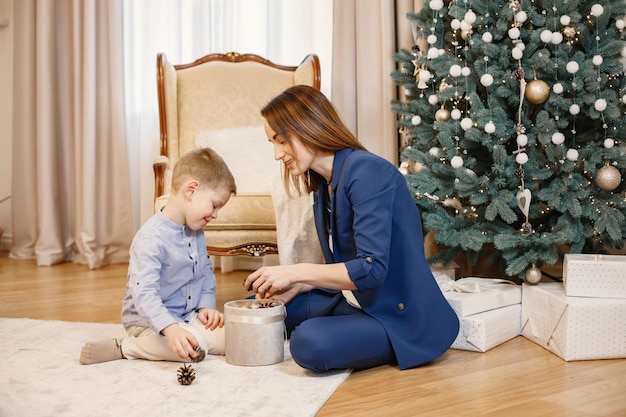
point(216, 101)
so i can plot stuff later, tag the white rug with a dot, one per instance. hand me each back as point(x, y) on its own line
point(40, 376)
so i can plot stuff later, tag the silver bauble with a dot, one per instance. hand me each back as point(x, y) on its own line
point(533, 275)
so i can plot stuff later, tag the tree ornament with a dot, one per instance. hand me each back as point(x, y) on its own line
point(609, 143)
point(466, 123)
point(465, 34)
point(533, 275)
point(608, 178)
point(572, 155)
point(572, 67)
point(569, 32)
point(537, 91)
point(456, 162)
point(597, 10)
point(557, 88)
point(186, 375)
point(565, 19)
point(600, 104)
point(558, 138)
point(442, 115)
point(416, 120)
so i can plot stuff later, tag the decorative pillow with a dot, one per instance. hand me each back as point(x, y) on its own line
point(248, 154)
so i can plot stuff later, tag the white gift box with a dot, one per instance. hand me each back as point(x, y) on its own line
point(594, 275)
point(471, 295)
point(574, 328)
point(483, 331)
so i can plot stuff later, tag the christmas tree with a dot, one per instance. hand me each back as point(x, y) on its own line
point(514, 124)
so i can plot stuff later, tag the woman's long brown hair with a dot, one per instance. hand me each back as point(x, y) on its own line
point(306, 113)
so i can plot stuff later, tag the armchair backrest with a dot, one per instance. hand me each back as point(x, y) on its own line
point(219, 91)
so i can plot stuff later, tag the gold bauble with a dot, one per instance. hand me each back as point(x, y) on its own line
point(442, 115)
point(466, 34)
point(537, 91)
point(608, 178)
point(533, 275)
point(569, 32)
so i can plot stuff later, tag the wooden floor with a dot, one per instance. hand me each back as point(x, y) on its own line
point(517, 378)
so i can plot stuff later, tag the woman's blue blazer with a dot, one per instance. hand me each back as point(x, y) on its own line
point(376, 231)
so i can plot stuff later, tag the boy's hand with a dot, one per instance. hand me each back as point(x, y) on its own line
point(211, 318)
point(181, 341)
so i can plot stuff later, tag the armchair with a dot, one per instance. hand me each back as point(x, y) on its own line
point(215, 101)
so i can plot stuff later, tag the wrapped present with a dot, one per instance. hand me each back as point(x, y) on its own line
point(483, 331)
point(574, 328)
point(444, 271)
point(471, 295)
point(594, 275)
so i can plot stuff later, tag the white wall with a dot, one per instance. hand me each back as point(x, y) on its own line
point(6, 117)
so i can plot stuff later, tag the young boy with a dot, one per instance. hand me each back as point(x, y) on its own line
point(169, 310)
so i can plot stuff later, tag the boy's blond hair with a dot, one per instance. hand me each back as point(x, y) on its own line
point(207, 167)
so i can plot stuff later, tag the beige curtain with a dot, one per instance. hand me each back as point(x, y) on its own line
point(71, 197)
point(366, 34)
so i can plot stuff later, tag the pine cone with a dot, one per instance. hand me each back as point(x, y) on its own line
point(186, 375)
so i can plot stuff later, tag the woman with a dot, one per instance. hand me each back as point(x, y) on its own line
point(375, 300)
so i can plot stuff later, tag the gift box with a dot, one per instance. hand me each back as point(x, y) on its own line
point(449, 271)
point(483, 331)
point(471, 295)
point(594, 275)
point(574, 328)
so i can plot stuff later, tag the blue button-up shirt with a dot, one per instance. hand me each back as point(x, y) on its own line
point(170, 275)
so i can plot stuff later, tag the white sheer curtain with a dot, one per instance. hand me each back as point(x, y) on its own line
point(283, 31)
point(71, 200)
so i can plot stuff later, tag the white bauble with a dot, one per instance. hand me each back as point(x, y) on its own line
point(572, 155)
point(432, 53)
point(434, 151)
point(466, 123)
point(521, 158)
point(609, 143)
point(517, 53)
point(466, 26)
point(455, 24)
point(521, 16)
point(620, 24)
point(557, 38)
point(514, 33)
point(521, 140)
point(470, 17)
point(597, 60)
point(466, 71)
point(487, 37)
point(558, 138)
point(600, 104)
point(490, 127)
point(486, 80)
point(456, 114)
point(455, 70)
point(565, 19)
point(557, 88)
point(574, 109)
point(597, 10)
point(436, 4)
point(432, 99)
point(416, 120)
point(546, 36)
point(572, 67)
point(624, 99)
point(456, 162)
point(431, 39)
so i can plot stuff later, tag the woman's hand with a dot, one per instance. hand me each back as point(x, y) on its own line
point(211, 318)
point(181, 341)
point(270, 281)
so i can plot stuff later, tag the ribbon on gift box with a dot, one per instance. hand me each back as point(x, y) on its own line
point(474, 295)
point(468, 284)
